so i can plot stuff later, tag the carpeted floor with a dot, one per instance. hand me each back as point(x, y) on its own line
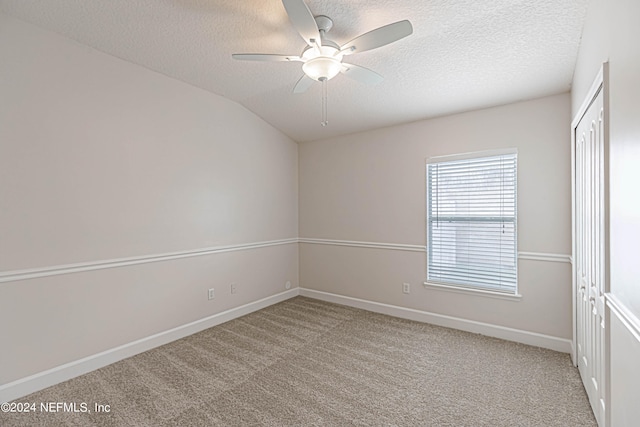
point(305, 362)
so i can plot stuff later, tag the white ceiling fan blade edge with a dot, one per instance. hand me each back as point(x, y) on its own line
point(361, 74)
point(303, 84)
point(379, 37)
point(265, 57)
point(302, 20)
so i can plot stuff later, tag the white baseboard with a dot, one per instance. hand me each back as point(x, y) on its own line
point(574, 355)
point(41, 380)
point(502, 332)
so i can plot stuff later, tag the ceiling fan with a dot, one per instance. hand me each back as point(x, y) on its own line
point(322, 58)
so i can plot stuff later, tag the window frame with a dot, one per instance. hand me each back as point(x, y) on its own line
point(490, 290)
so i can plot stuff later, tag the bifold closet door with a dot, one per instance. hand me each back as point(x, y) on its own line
point(590, 253)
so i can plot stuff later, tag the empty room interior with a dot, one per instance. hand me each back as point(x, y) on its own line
point(320, 212)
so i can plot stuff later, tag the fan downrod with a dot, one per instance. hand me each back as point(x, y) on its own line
point(324, 23)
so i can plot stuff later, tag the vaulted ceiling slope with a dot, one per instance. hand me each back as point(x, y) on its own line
point(462, 55)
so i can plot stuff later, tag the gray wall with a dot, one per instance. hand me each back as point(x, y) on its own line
point(102, 160)
point(370, 187)
point(609, 34)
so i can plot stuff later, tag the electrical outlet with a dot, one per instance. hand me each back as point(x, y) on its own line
point(406, 288)
point(287, 285)
point(212, 293)
point(234, 288)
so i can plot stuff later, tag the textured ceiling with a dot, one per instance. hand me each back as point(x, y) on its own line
point(463, 54)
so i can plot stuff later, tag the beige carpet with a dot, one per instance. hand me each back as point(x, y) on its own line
point(305, 362)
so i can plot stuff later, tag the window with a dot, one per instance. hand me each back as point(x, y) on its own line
point(471, 221)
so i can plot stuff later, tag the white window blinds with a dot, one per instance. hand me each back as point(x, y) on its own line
point(471, 221)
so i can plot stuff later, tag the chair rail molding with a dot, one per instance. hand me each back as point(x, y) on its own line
point(33, 273)
point(533, 256)
point(626, 317)
point(357, 244)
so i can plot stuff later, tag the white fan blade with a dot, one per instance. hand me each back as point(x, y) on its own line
point(303, 20)
point(303, 84)
point(265, 57)
point(361, 74)
point(378, 37)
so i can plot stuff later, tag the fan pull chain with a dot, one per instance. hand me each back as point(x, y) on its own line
point(324, 121)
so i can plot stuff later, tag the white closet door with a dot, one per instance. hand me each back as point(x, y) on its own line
point(590, 253)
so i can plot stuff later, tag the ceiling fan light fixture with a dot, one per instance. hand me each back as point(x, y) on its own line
point(321, 68)
point(322, 63)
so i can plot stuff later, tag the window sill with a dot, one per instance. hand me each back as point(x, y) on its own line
point(474, 292)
